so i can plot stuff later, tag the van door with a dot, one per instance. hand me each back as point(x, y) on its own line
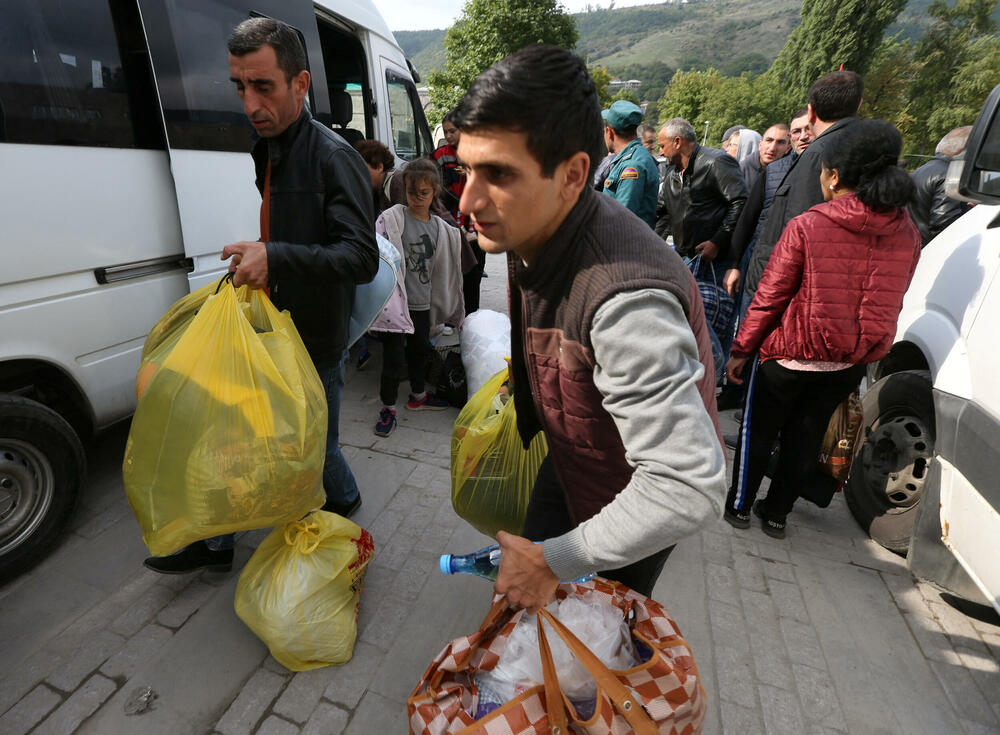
point(411, 138)
point(209, 138)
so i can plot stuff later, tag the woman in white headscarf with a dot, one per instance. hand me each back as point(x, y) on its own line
point(748, 156)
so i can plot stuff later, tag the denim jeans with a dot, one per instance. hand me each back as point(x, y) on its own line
point(338, 480)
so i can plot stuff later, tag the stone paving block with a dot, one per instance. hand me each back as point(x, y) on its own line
point(773, 549)
point(810, 544)
point(906, 595)
point(992, 641)
point(385, 525)
point(734, 671)
point(253, 701)
point(97, 617)
point(957, 626)
point(739, 720)
point(716, 548)
point(729, 627)
point(137, 651)
point(782, 714)
point(186, 604)
point(744, 543)
point(770, 660)
point(803, 645)
point(760, 613)
point(963, 693)
point(377, 588)
point(144, 609)
point(788, 599)
point(749, 572)
point(29, 711)
point(721, 584)
point(381, 628)
point(350, 681)
point(871, 555)
point(976, 728)
point(817, 729)
point(327, 719)
point(81, 705)
point(819, 696)
point(984, 626)
point(274, 725)
point(23, 677)
point(376, 714)
point(933, 643)
point(413, 575)
point(93, 651)
point(303, 693)
point(779, 570)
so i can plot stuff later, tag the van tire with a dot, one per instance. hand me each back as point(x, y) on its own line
point(42, 464)
point(892, 459)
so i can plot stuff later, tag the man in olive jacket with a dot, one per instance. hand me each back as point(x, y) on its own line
point(317, 238)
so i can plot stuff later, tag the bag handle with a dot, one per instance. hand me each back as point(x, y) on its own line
point(495, 619)
point(553, 694)
point(227, 277)
point(620, 697)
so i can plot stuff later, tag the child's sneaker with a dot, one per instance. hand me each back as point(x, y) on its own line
point(429, 402)
point(773, 527)
point(736, 519)
point(386, 422)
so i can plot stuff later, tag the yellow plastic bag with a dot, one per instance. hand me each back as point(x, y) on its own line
point(230, 430)
point(491, 473)
point(300, 591)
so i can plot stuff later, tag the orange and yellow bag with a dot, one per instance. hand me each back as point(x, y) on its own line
point(491, 472)
point(230, 430)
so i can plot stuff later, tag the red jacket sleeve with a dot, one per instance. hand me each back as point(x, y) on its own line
point(780, 282)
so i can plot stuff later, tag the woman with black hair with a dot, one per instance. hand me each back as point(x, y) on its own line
point(826, 306)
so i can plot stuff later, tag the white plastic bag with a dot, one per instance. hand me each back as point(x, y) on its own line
point(485, 344)
point(599, 625)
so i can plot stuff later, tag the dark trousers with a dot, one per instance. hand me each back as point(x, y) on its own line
point(472, 281)
point(798, 405)
point(548, 517)
point(413, 349)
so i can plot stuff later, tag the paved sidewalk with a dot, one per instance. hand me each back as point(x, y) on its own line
point(821, 633)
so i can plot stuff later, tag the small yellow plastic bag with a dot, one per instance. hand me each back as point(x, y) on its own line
point(230, 429)
point(491, 473)
point(300, 591)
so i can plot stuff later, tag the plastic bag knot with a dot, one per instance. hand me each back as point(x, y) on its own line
point(303, 535)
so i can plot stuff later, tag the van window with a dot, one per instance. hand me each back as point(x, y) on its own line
point(347, 82)
point(410, 136)
point(62, 81)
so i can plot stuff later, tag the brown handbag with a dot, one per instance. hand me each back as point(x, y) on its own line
point(662, 695)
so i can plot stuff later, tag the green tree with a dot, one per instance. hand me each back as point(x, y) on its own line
point(945, 48)
point(602, 77)
point(687, 93)
point(489, 30)
point(627, 94)
point(833, 32)
point(887, 84)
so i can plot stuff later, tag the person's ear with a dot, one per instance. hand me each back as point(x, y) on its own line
point(300, 84)
point(834, 178)
point(812, 114)
point(575, 175)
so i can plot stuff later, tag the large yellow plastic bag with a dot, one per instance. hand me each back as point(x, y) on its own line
point(491, 473)
point(300, 591)
point(230, 430)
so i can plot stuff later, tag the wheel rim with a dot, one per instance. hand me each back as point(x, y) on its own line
point(896, 456)
point(27, 486)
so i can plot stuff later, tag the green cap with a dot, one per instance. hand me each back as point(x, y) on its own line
point(622, 114)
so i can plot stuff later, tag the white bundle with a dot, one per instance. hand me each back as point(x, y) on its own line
point(485, 344)
point(598, 624)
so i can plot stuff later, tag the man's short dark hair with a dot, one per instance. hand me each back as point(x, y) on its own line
point(802, 112)
point(253, 33)
point(836, 95)
point(375, 152)
point(627, 133)
point(544, 92)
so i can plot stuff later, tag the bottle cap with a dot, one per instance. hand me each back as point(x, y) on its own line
point(445, 564)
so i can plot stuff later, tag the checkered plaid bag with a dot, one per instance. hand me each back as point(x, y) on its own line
point(663, 695)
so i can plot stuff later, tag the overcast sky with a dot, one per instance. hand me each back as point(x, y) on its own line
point(407, 15)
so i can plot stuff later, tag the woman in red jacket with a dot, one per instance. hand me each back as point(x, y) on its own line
point(826, 306)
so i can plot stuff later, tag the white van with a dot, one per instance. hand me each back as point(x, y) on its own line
point(925, 481)
point(125, 170)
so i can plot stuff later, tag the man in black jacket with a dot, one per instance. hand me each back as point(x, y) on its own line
point(932, 210)
point(834, 100)
point(317, 237)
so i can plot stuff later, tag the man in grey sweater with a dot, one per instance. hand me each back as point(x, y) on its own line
point(609, 342)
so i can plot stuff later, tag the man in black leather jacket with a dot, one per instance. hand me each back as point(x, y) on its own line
point(931, 209)
point(317, 237)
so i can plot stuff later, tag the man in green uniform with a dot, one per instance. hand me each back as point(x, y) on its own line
point(634, 178)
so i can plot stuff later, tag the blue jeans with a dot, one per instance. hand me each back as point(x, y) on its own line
point(338, 480)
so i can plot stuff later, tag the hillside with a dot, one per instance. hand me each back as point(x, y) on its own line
point(731, 35)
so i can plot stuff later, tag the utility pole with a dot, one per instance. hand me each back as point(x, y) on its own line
point(704, 139)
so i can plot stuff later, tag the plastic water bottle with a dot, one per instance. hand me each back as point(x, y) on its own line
point(484, 563)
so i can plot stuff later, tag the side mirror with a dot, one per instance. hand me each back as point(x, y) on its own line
point(980, 177)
